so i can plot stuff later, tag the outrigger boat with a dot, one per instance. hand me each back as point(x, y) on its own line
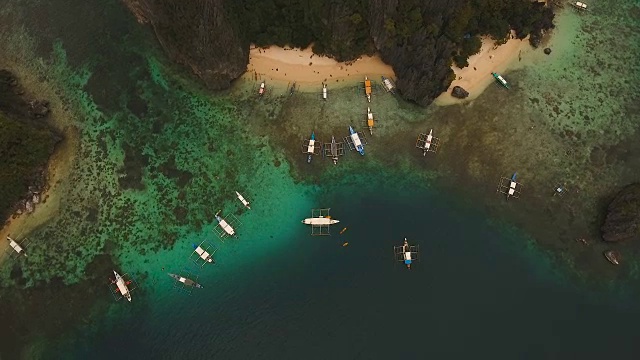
point(311, 147)
point(512, 185)
point(243, 200)
point(225, 225)
point(202, 253)
point(324, 91)
point(184, 280)
point(18, 249)
point(407, 253)
point(367, 88)
point(370, 120)
point(334, 150)
point(427, 143)
point(613, 256)
point(500, 79)
point(388, 84)
point(356, 141)
point(122, 286)
point(579, 5)
point(262, 89)
point(320, 221)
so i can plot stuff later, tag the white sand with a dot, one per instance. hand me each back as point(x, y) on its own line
point(309, 71)
point(477, 76)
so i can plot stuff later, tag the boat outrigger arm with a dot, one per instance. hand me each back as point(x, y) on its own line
point(122, 286)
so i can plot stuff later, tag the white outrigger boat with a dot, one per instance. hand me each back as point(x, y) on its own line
point(427, 143)
point(122, 286)
point(225, 226)
point(324, 91)
point(510, 186)
point(320, 221)
point(243, 200)
point(202, 253)
point(579, 5)
point(388, 84)
point(16, 247)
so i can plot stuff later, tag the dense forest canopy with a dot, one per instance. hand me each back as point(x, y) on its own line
point(340, 28)
point(419, 38)
point(24, 151)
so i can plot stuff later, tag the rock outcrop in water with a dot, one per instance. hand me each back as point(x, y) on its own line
point(417, 38)
point(623, 216)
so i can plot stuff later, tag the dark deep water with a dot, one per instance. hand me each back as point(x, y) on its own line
point(477, 292)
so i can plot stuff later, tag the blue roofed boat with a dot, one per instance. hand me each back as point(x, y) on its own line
point(357, 143)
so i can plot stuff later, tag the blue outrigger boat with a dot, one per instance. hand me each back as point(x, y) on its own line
point(500, 79)
point(357, 143)
point(311, 146)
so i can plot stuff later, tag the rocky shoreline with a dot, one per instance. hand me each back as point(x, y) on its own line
point(419, 46)
point(25, 121)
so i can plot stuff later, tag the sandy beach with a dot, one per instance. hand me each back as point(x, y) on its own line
point(19, 226)
point(477, 76)
point(283, 66)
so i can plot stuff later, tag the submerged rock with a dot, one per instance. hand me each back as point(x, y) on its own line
point(623, 216)
point(459, 92)
point(547, 51)
point(39, 108)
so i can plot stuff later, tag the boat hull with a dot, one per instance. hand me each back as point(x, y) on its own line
point(320, 221)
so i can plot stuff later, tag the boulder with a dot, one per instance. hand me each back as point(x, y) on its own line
point(459, 92)
point(39, 109)
point(622, 221)
point(547, 51)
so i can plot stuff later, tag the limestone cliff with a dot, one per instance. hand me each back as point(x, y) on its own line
point(418, 38)
point(197, 34)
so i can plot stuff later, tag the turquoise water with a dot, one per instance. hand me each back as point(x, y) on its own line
point(476, 291)
point(158, 156)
